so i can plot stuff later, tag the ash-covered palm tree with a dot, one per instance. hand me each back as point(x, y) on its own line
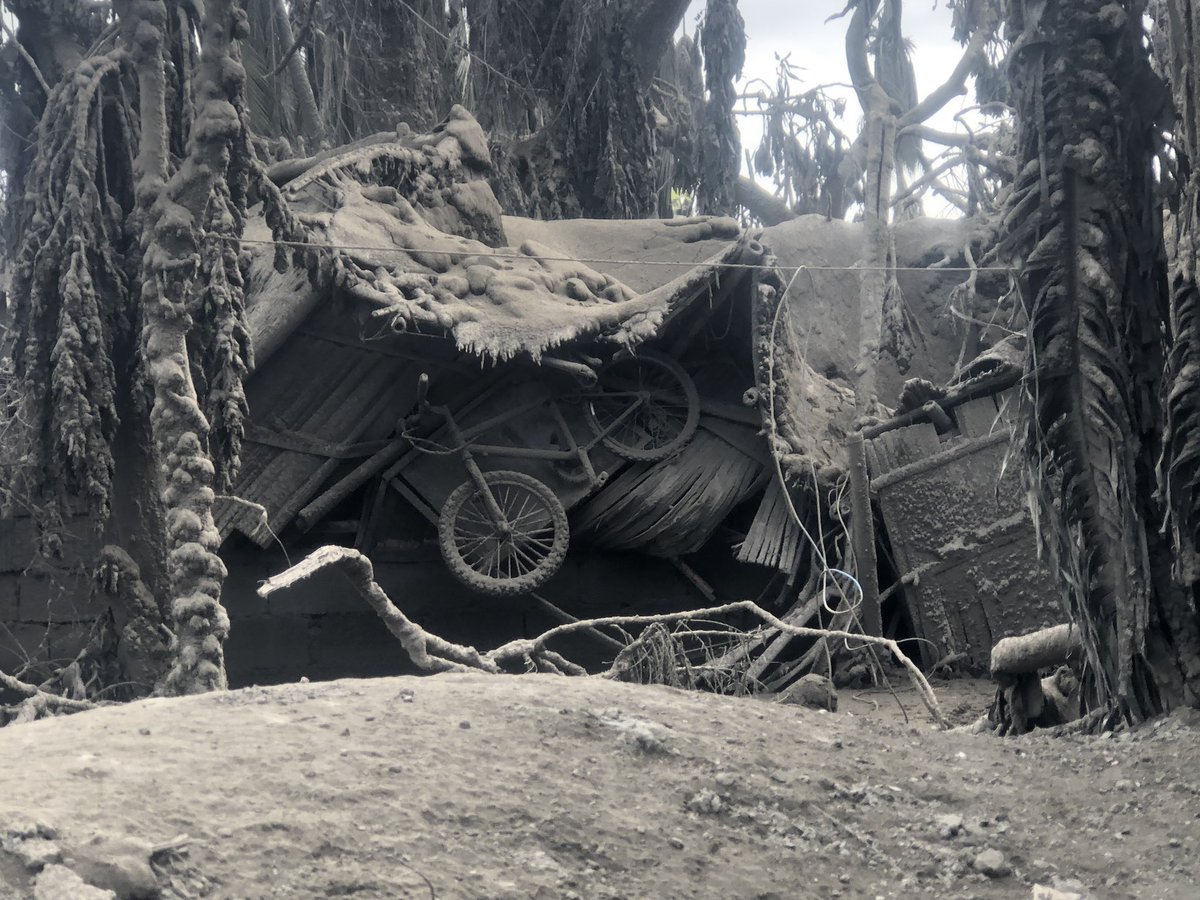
point(1112, 353)
point(127, 289)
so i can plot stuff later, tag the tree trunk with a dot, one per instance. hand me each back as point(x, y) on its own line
point(654, 26)
point(881, 164)
point(879, 138)
point(174, 213)
point(1084, 218)
point(297, 72)
point(723, 40)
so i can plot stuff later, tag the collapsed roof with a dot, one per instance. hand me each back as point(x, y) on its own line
point(401, 237)
point(419, 238)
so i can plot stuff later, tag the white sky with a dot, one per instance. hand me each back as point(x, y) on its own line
point(775, 28)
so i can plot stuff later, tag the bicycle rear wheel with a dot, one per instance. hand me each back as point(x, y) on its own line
point(644, 407)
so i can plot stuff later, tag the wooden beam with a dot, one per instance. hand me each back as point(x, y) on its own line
point(322, 505)
point(563, 616)
point(863, 528)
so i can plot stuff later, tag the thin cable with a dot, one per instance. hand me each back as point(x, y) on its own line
point(817, 548)
point(850, 607)
point(302, 245)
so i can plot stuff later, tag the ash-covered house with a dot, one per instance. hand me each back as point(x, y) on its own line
point(613, 384)
point(615, 367)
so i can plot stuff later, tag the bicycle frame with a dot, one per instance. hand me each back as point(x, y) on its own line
point(507, 531)
point(468, 448)
point(465, 438)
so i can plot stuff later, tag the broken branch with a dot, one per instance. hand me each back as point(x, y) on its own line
point(435, 654)
point(37, 700)
point(1028, 653)
point(428, 651)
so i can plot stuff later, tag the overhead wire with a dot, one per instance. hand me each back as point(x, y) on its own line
point(693, 264)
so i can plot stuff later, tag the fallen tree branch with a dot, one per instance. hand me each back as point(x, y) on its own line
point(37, 702)
point(428, 651)
point(762, 204)
point(435, 654)
point(1027, 653)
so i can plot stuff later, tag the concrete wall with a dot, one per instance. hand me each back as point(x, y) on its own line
point(322, 629)
point(46, 610)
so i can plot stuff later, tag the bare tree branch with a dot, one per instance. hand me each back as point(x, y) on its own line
point(955, 85)
point(435, 654)
point(33, 66)
point(35, 697)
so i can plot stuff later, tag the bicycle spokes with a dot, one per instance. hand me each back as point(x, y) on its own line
point(644, 407)
point(510, 539)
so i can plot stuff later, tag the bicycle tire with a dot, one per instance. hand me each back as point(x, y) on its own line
point(673, 444)
point(460, 522)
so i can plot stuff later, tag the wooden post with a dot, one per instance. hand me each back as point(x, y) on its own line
point(864, 536)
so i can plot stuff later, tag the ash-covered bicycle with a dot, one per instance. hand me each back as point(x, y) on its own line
point(504, 532)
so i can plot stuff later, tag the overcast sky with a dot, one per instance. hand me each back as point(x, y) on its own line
point(775, 28)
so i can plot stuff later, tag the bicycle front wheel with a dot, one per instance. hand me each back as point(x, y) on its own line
point(510, 557)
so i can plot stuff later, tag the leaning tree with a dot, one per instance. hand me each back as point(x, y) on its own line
point(127, 291)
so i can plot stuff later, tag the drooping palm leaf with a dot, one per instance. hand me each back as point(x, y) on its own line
point(1179, 22)
point(1083, 220)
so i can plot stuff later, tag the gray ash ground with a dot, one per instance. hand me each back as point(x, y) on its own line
point(537, 786)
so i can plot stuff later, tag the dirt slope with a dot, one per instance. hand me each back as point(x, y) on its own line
point(535, 786)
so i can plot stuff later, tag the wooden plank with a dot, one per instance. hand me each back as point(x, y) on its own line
point(990, 384)
point(773, 538)
point(745, 440)
point(863, 530)
point(279, 390)
point(312, 446)
point(275, 480)
point(876, 459)
point(321, 506)
point(693, 577)
point(978, 418)
point(284, 498)
point(565, 617)
point(911, 444)
point(402, 488)
point(733, 412)
point(952, 451)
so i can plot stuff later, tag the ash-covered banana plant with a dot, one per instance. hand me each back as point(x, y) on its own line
point(1177, 24)
point(1084, 222)
point(128, 292)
